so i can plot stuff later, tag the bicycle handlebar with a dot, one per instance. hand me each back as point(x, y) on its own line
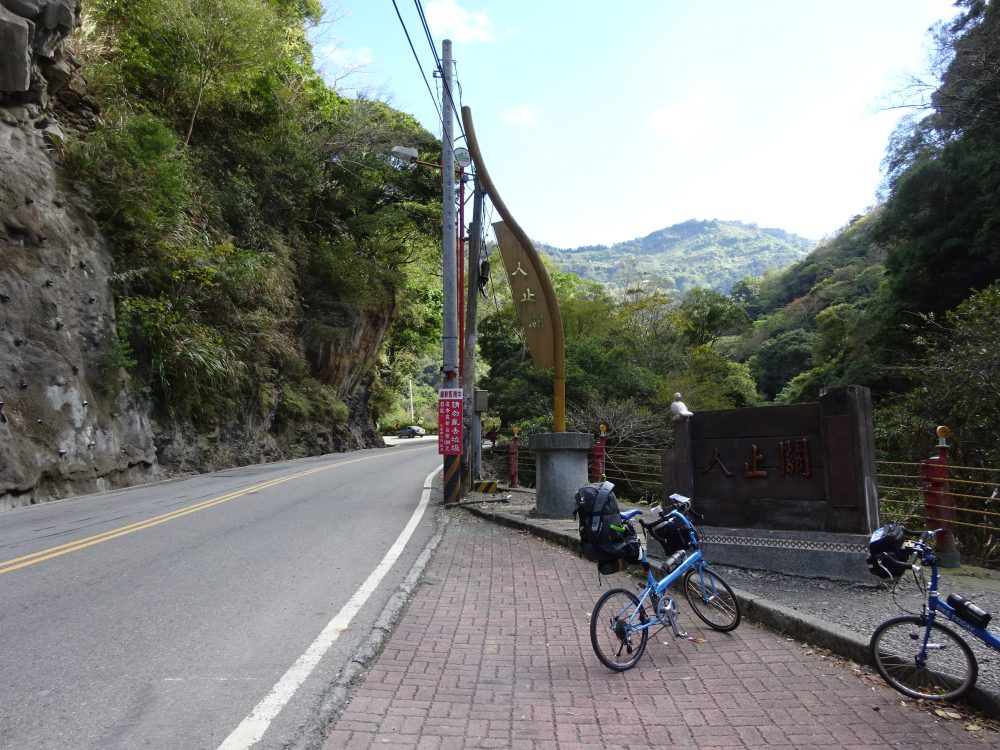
point(679, 503)
point(919, 551)
point(893, 565)
point(922, 536)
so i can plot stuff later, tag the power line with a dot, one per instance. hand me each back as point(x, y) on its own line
point(437, 60)
point(417, 58)
point(427, 32)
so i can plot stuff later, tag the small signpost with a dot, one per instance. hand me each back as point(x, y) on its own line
point(450, 421)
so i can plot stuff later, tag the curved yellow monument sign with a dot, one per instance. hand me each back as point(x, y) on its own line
point(534, 296)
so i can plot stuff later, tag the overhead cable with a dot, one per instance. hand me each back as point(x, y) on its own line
point(417, 58)
point(440, 67)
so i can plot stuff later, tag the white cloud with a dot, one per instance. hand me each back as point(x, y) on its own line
point(526, 115)
point(448, 18)
point(684, 120)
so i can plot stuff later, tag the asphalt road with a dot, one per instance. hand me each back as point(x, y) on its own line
point(163, 616)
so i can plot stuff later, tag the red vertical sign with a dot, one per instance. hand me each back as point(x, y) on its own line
point(450, 421)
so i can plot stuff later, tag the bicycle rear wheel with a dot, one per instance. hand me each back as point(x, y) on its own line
point(614, 632)
point(947, 671)
point(715, 603)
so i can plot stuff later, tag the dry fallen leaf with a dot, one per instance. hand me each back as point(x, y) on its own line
point(973, 727)
point(695, 639)
point(944, 714)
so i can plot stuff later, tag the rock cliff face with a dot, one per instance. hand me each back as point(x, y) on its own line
point(65, 427)
point(32, 62)
point(66, 424)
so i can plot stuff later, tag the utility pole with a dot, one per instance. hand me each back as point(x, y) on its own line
point(473, 441)
point(452, 463)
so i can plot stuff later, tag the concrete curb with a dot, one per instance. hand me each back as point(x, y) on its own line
point(803, 627)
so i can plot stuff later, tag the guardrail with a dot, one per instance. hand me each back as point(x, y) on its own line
point(965, 500)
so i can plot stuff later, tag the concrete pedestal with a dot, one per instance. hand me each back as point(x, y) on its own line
point(561, 469)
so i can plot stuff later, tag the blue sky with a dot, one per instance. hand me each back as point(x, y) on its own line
point(601, 122)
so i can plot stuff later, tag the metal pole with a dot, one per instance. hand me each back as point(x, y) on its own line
point(452, 474)
point(449, 266)
point(473, 442)
point(512, 460)
point(460, 258)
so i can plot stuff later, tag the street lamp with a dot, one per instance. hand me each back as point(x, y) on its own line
point(404, 153)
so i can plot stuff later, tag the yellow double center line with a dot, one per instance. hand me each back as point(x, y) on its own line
point(64, 549)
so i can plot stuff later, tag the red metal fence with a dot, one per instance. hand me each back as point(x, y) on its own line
point(932, 493)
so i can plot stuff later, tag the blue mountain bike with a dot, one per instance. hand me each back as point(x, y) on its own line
point(621, 620)
point(917, 655)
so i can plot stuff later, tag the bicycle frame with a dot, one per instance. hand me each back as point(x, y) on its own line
point(620, 623)
point(659, 587)
point(935, 605)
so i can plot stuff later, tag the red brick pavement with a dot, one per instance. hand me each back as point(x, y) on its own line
point(494, 652)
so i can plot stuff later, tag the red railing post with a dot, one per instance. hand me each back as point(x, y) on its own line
point(596, 457)
point(512, 459)
point(938, 502)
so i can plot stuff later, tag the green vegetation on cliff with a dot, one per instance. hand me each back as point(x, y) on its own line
point(263, 242)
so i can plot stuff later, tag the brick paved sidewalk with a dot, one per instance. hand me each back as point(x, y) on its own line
point(494, 652)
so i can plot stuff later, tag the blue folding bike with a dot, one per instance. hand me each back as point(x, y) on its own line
point(620, 622)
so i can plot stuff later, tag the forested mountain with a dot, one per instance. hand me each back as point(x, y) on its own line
point(691, 254)
point(905, 300)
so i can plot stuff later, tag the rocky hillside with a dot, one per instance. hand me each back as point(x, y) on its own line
point(64, 426)
point(75, 414)
point(692, 254)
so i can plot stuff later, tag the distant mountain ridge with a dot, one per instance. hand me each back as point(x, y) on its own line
point(693, 253)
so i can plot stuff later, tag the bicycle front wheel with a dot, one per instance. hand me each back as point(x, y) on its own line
point(945, 670)
point(711, 599)
point(615, 630)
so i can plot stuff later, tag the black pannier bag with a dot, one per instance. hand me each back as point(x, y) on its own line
point(886, 556)
point(605, 538)
point(672, 535)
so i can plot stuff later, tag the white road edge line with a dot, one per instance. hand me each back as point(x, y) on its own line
point(252, 728)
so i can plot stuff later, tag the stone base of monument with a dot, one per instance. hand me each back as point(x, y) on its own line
point(560, 470)
point(802, 553)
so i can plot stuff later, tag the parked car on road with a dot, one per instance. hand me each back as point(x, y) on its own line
point(411, 431)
